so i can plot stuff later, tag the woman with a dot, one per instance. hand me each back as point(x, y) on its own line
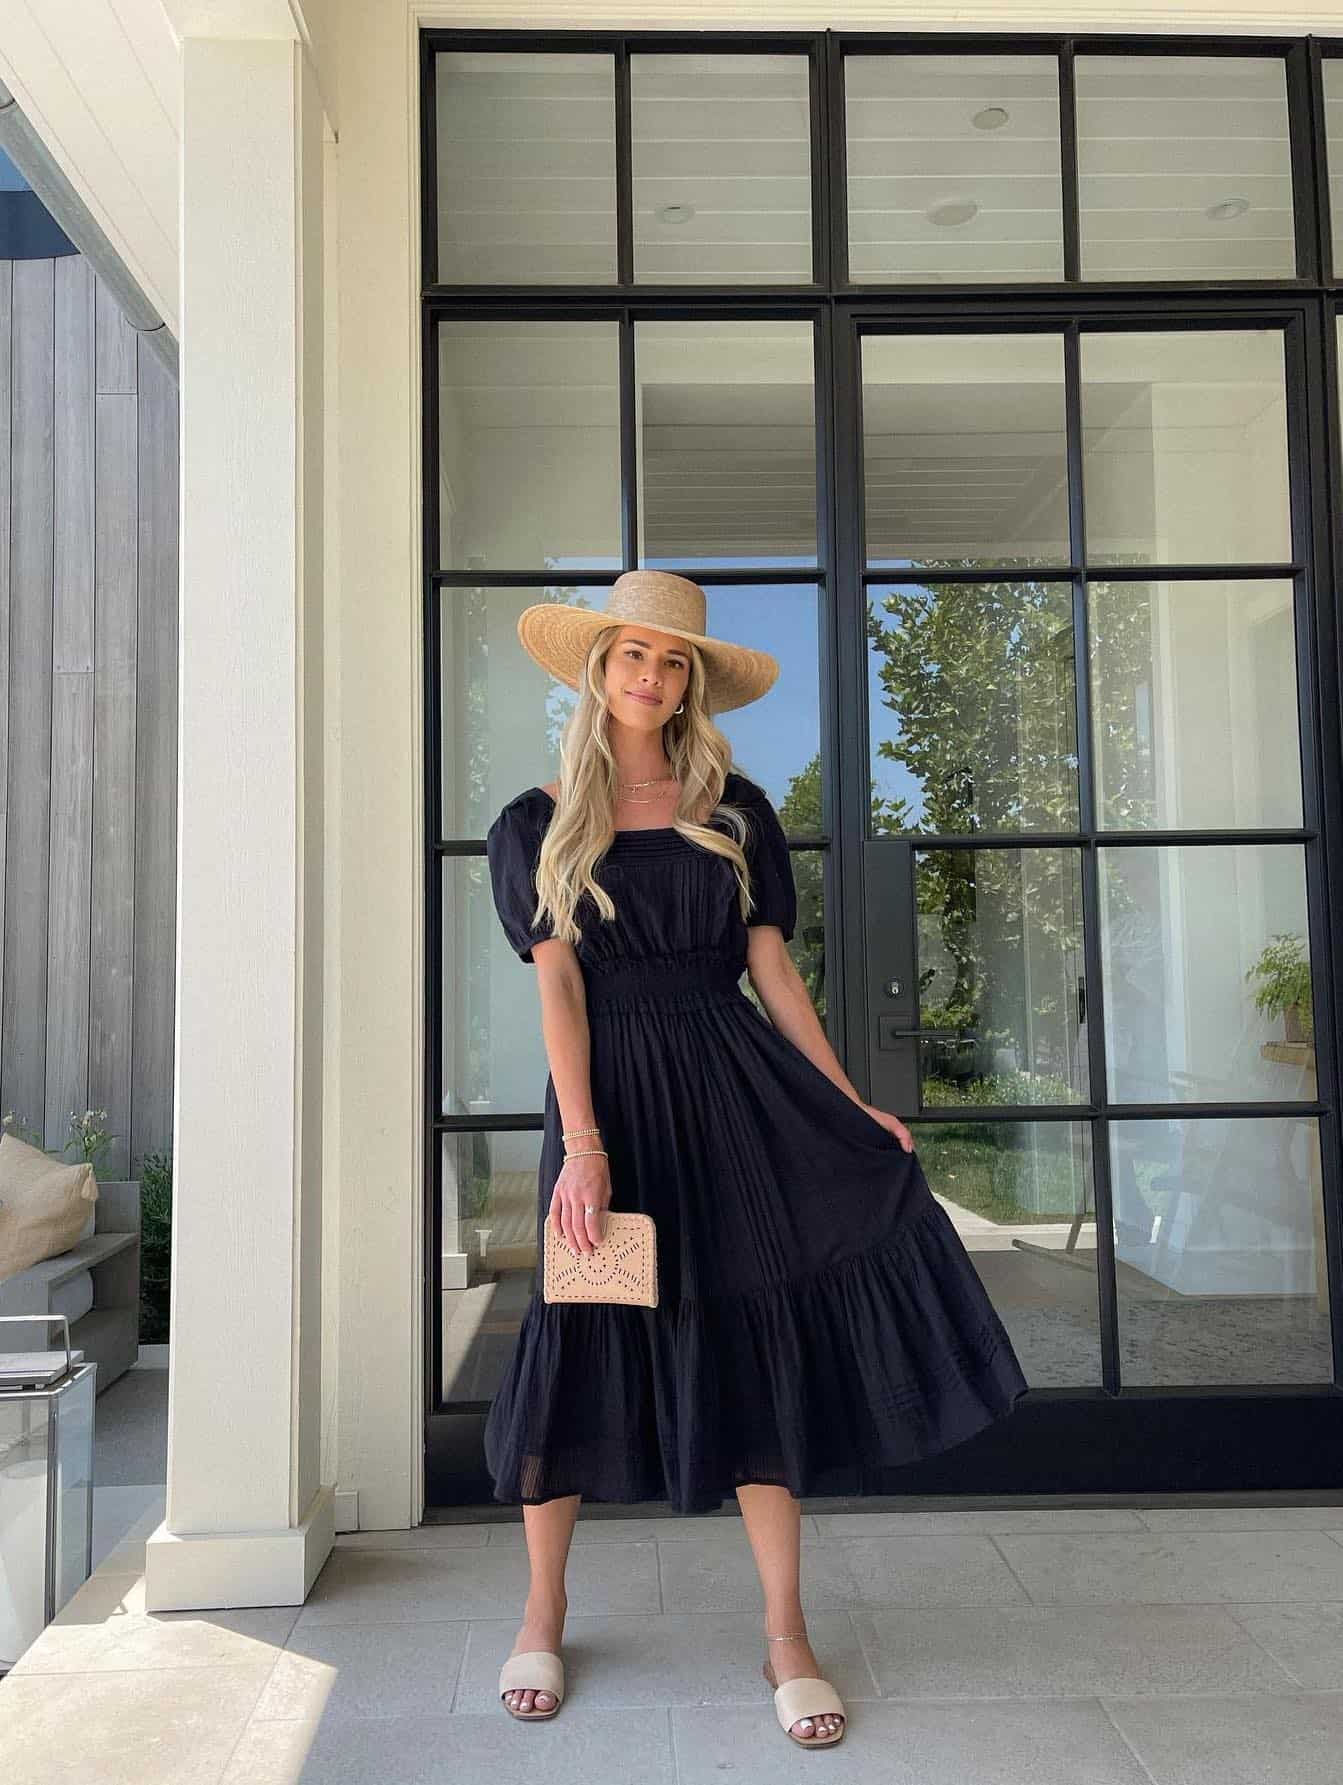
point(818, 1319)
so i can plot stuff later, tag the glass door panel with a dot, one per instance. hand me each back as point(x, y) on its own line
point(1096, 895)
point(963, 451)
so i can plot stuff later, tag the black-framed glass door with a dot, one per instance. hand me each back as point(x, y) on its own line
point(1090, 860)
point(1013, 427)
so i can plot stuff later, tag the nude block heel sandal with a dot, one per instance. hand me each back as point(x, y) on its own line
point(805, 1697)
point(536, 1670)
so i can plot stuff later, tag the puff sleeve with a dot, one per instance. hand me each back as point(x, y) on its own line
point(772, 884)
point(512, 844)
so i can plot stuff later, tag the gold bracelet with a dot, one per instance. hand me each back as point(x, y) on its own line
point(573, 1133)
point(583, 1152)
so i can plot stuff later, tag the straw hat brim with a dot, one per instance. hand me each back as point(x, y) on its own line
point(558, 636)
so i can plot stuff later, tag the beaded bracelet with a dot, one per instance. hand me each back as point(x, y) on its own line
point(583, 1152)
point(573, 1133)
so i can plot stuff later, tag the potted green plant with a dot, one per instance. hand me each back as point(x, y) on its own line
point(156, 1240)
point(1283, 972)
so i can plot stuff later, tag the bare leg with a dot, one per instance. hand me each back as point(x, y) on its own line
point(773, 1522)
point(549, 1529)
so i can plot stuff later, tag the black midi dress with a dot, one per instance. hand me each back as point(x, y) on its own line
point(819, 1321)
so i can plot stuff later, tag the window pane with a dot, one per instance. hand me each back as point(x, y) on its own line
point(1191, 936)
point(964, 450)
point(722, 169)
point(1332, 72)
point(526, 168)
point(1019, 1195)
point(777, 740)
point(494, 1058)
point(501, 714)
point(807, 946)
point(490, 1210)
point(1184, 167)
point(529, 445)
point(1000, 976)
point(953, 168)
point(971, 706)
point(727, 443)
point(1194, 697)
point(1184, 439)
point(1219, 1251)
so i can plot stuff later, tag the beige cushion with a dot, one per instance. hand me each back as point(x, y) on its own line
point(44, 1204)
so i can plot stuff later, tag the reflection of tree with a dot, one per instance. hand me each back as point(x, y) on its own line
point(800, 814)
point(980, 677)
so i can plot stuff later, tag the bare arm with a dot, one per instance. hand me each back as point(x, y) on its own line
point(584, 1182)
point(783, 992)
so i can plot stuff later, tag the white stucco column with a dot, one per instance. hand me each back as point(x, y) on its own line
point(248, 1520)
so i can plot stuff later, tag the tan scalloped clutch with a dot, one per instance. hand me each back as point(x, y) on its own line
point(623, 1268)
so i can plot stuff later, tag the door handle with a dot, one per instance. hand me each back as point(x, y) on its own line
point(888, 1034)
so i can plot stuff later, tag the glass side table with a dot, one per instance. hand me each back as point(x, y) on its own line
point(46, 1484)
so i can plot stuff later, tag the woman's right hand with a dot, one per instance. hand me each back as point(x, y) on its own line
point(584, 1181)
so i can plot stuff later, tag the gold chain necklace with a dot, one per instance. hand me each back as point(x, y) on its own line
point(655, 781)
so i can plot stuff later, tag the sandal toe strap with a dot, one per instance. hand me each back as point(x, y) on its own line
point(538, 1670)
point(806, 1698)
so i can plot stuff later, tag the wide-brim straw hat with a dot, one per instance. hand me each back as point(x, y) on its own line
point(559, 635)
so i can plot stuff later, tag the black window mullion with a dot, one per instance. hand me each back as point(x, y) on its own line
point(1317, 512)
point(818, 126)
point(1072, 227)
point(428, 161)
point(1310, 202)
point(830, 526)
point(624, 168)
point(848, 603)
point(836, 126)
point(629, 446)
point(1107, 1295)
point(435, 865)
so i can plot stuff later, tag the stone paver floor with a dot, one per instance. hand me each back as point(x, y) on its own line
point(1162, 1642)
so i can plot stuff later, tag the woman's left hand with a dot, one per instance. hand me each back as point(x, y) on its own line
point(894, 1124)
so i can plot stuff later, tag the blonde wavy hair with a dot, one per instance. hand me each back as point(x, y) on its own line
point(582, 825)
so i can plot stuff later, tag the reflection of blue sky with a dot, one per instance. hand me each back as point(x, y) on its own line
point(11, 180)
point(777, 737)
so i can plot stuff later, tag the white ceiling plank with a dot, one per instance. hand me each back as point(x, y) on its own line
point(83, 86)
point(1156, 17)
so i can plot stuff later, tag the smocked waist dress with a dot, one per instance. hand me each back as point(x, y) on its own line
point(819, 1321)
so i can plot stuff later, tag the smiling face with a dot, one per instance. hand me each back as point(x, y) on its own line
point(647, 673)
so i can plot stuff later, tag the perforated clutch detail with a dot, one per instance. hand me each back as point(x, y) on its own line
point(623, 1268)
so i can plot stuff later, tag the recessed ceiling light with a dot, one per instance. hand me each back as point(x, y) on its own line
point(674, 213)
point(1229, 208)
point(993, 117)
point(952, 211)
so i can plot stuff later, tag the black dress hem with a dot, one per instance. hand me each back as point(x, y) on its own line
point(794, 1415)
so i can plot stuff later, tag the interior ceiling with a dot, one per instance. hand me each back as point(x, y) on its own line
point(960, 459)
point(527, 167)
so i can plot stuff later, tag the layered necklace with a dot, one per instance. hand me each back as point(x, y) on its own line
point(668, 782)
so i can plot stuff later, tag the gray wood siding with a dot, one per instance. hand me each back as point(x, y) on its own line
point(88, 719)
